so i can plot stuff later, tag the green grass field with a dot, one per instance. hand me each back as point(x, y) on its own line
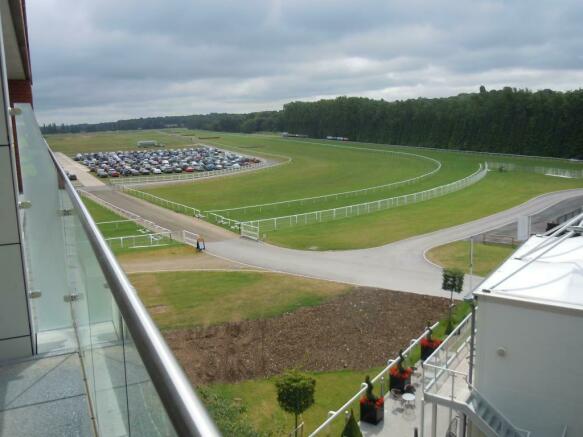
point(71, 144)
point(497, 192)
point(487, 257)
point(318, 167)
point(185, 299)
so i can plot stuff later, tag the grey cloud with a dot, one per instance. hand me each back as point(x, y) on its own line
point(95, 61)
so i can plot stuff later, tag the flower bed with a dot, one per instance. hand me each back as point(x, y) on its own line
point(428, 346)
point(400, 378)
point(372, 411)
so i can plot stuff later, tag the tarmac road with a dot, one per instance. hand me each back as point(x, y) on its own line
point(397, 266)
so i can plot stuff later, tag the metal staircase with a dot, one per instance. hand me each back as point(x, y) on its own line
point(491, 421)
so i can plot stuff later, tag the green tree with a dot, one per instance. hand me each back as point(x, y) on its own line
point(295, 392)
point(452, 281)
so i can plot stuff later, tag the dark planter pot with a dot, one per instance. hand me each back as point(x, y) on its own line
point(398, 383)
point(370, 413)
point(426, 351)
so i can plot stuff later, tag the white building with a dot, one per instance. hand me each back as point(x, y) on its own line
point(526, 378)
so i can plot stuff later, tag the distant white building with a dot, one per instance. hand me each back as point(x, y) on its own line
point(526, 377)
point(147, 143)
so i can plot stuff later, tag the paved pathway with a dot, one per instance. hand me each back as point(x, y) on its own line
point(83, 176)
point(397, 266)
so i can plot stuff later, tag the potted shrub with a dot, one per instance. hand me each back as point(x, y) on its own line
point(372, 409)
point(452, 281)
point(399, 376)
point(428, 344)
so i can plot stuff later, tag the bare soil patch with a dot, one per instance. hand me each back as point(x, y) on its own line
point(358, 330)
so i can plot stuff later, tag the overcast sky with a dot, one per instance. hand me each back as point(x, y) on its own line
point(103, 60)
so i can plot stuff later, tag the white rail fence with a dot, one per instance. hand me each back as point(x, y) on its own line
point(142, 240)
point(189, 238)
point(275, 223)
point(124, 213)
point(341, 412)
point(249, 231)
point(547, 171)
point(115, 224)
point(174, 206)
point(444, 361)
point(334, 196)
point(165, 177)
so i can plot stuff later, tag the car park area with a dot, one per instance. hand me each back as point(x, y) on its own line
point(162, 161)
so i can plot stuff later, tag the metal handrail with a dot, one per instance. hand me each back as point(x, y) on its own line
point(391, 363)
point(186, 412)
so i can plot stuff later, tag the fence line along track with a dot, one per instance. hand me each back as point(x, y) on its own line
point(275, 223)
point(538, 169)
point(174, 206)
point(182, 177)
point(125, 213)
point(138, 241)
point(367, 190)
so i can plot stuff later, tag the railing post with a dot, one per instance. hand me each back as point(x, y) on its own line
point(433, 419)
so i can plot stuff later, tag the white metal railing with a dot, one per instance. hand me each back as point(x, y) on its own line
point(174, 206)
point(249, 231)
point(275, 223)
point(447, 356)
point(139, 241)
point(224, 221)
point(333, 415)
point(340, 195)
point(113, 223)
point(190, 238)
point(165, 177)
point(148, 224)
point(539, 169)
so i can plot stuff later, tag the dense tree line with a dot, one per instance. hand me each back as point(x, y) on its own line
point(253, 122)
point(546, 123)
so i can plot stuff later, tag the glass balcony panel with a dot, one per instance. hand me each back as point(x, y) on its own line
point(63, 265)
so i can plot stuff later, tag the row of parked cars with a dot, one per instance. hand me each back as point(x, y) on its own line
point(136, 163)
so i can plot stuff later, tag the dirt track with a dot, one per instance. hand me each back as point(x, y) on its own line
point(359, 330)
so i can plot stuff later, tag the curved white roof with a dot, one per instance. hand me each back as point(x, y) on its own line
point(554, 275)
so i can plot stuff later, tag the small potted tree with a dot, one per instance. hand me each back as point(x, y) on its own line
point(428, 344)
point(453, 281)
point(295, 393)
point(372, 409)
point(400, 376)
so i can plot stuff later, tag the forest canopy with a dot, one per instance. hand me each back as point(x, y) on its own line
point(544, 123)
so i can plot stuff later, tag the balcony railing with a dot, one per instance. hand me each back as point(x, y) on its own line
point(134, 384)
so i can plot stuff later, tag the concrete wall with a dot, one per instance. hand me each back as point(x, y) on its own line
point(529, 364)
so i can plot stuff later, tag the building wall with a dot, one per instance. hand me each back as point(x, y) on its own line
point(15, 331)
point(538, 381)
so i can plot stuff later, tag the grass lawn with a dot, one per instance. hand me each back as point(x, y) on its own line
point(71, 144)
point(487, 257)
point(184, 299)
point(332, 390)
point(320, 167)
point(313, 170)
point(496, 192)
